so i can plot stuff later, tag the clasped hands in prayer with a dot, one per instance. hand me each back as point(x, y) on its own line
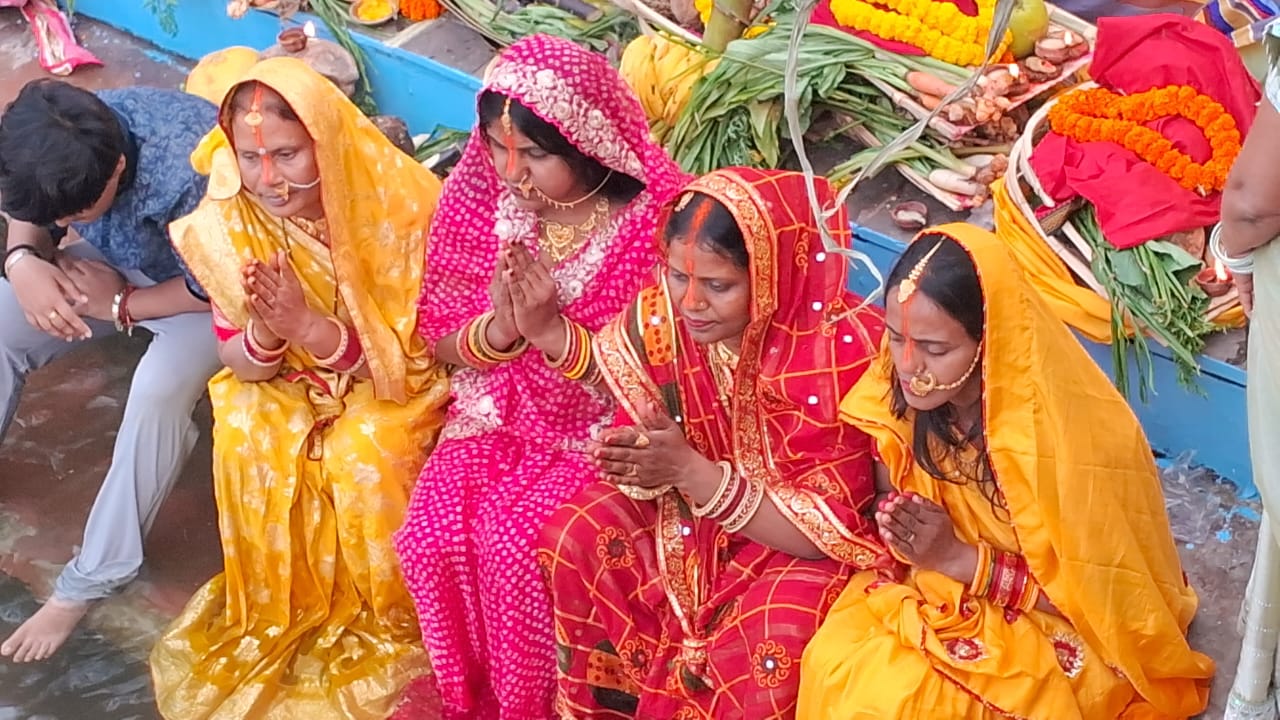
point(277, 306)
point(921, 532)
point(656, 454)
point(526, 302)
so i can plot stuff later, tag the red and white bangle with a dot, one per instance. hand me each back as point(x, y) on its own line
point(258, 355)
point(725, 495)
point(348, 356)
point(746, 509)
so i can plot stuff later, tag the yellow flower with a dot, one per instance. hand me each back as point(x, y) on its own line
point(937, 28)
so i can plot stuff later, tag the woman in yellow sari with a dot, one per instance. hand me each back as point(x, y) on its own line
point(1041, 578)
point(310, 243)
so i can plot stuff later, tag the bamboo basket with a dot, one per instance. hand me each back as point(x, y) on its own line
point(1061, 236)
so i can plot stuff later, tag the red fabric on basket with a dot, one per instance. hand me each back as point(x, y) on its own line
point(822, 15)
point(1135, 201)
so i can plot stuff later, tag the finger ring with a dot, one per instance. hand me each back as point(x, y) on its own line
point(634, 471)
point(642, 441)
point(911, 535)
point(53, 314)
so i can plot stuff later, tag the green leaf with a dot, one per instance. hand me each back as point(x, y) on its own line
point(1174, 258)
point(1126, 268)
point(764, 128)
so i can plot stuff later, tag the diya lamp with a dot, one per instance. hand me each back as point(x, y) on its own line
point(294, 39)
point(1215, 280)
point(1020, 83)
point(1077, 46)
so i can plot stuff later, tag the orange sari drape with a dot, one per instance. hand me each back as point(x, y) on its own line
point(1084, 507)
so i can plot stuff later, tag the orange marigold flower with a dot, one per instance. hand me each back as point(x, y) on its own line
point(1098, 114)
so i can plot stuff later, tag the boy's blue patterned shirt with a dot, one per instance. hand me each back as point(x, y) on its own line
point(162, 128)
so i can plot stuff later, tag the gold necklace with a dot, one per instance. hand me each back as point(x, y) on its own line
point(560, 240)
point(318, 229)
point(723, 363)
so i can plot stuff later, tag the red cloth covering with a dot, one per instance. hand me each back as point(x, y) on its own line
point(822, 15)
point(1135, 201)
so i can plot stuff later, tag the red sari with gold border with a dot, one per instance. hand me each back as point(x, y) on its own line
point(659, 614)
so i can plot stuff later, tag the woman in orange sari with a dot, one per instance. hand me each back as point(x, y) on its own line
point(1015, 483)
point(687, 584)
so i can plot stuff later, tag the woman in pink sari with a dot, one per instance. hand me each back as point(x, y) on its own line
point(544, 232)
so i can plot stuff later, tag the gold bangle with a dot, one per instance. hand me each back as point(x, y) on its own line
point(1030, 595)
point(982, 573)
point(485, 350)
point(583, 347)
point(558, 362)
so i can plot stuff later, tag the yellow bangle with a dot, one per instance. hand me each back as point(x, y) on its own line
point(982, 573)
point(583, 364)
point(475, 349)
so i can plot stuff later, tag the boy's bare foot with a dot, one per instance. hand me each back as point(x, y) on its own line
point(40, 636)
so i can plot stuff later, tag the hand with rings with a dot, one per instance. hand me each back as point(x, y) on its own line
point(921, 532)
point(49, 299)
point(652, 455)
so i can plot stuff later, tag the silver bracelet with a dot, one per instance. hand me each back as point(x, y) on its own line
point(1237, 265)
point(16, 257)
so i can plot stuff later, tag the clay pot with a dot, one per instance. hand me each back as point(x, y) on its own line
point(1212, 285)
point(325, 57)
point(292, 40)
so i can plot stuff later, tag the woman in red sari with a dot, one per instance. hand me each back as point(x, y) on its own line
point(687, 584)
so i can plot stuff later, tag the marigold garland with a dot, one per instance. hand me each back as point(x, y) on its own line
point(1100, 115)
point(935, 26)
point(420, 9)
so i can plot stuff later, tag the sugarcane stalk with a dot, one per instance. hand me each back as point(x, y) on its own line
point(726, 23)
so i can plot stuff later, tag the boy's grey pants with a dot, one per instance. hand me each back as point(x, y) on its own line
point(155, 437)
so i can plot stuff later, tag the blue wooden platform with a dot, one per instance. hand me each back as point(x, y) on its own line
point(428, 94)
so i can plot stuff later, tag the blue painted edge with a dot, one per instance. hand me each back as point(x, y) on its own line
point(1211, 428)
point(426, 94)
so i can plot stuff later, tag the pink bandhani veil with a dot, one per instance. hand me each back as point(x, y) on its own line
point(578, 92)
